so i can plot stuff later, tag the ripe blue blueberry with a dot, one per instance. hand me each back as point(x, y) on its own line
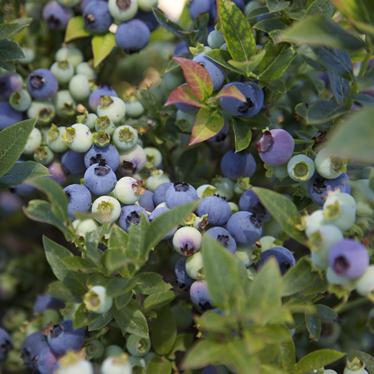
point(32, 346)
point(45, 302)
point(46, 361)
point(131, 215)
point(73, 162)
point(181, 49)
point(319, 187)
point(217, 209)
point(275, 147)
point(187, 240)
point(132, 36)
point(236, 165)
point(5, 344)
point(348, 258)
point(56, 15)
point(97, 18)
point(200, 295)
point(9, 83)
point(244, 227)
point(8, 116)
point(146, 201)
point(253, 94)
point(282, 255)
point(108, 154)
point(223, 237)
point(183, 280)
point(149, 19)
point(42, 84)
point(216, 74)
point(180, 193)
point(100, 178)
point(251, 203)
point(159, 195)
point(63, 337)
point(79, 199)
point(198, 7)
point(95, 97)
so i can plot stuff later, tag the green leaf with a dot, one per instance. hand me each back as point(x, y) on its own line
point(243, 135)
point(283, 210)
point(159, 365)
point(75, 29)
point(317, 359)
point(301, 278)
point(55, 254)
point(277, 5)
point(161, 225)
point(207, 124)
point(226, 276)
point(10, 51)
point(197, 77)
point(313, 325)
point(287, 355)
point(150, 283)
point(12, 142)
point(265, 294)
point(353, 138)
point(55, 194)
point(319, 30)
point(102, 46)
point(115, 255)
point(163, 331)
point(9, 29)
point(158, 300)
point(239, 36)
point(21, 172)
point(59, 290)
point(165, 22)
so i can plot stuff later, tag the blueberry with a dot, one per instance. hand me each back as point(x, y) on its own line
point(128, 190)
point(319, 187)
point(195, 266)
point(78, 137)
point(159, 195)
point(221, 136)
point(94, 99)
point(79, 87)
point(133, 161)
point(365, 284)
point(63, 71)
point(107, 209)
point(187, 240)
point(125, 137)
point(85, 68)
point(146, 201)
point(9, 83)
point(245, 227)
point(179, 194)
point(8, 116)
point(275, 147)
point(131, 215)
point(5, 344)
point(282, 255)
point(149, 19)
point(118, 363)
point(183, 280)
point(43, 111)
point(223, 237)
point(45, 302)
point(300, 168)
point(123, 10)
point(63, 337)
point(200, 295)
point(217, 209)
point(181, 49)
point(154, 158)
point(96, 300)
point(254, 100)
point(56, 15)
point(42, 84)
point(216, 74)
point(348, 258)
point(71, 54)
point(33, 142)
point(100, 178)
point(236, 165)
point(198, 7)
point(73, 162)
point(46, 361)
point(112, 107)
point(132, 36)
point(107, 154)
point(20, 100)
point(251, 203)
point(64, 104)
point(97, 18)
point(329, 167)
point(79, 199)
point(215, 39)
point(147, 5)
point(33, 345)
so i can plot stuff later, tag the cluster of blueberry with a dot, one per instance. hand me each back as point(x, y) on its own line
point(132, 21)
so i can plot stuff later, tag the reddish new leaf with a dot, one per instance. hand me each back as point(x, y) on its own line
point(231, 91)
point(183, 95)
point(197, 77)
point(208, 123)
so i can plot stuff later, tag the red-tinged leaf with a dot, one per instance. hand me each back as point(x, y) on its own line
point(183, 95)
point(231, 91)
point(197, 77)
point(208, 123)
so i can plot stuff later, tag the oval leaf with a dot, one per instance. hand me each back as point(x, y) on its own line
point(75, 29)
point(102, 46)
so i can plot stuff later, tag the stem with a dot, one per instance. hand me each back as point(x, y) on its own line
point(341, 308)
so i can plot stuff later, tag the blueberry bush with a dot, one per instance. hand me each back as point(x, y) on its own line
point(187, 196)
